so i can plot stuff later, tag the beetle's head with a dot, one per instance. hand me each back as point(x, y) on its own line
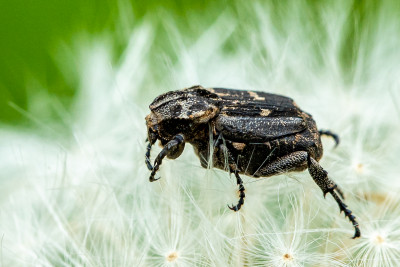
point(181, 111)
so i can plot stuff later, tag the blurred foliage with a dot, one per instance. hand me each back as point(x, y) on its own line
point(32, 32)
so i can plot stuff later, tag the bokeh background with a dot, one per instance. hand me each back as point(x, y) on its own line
point(76, 79)
point(35, 35)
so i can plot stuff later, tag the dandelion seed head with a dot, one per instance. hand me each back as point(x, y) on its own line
point(287, 258)
point(379, 244)
point(378, 239)
point(172, 256)
point(358, 167)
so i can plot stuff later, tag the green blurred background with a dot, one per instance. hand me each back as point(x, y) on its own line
point(34, 31)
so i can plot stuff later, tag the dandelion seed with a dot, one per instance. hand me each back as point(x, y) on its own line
point(172, 256)
point(380, 245)
point(378, 239)
point(359, 168)
point(287, 257)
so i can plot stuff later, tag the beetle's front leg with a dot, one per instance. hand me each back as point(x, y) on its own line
point(152, 138)
point(172, 149)
point(147, 155)
point(233, 168)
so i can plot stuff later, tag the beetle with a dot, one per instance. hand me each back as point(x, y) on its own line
point(253, 133)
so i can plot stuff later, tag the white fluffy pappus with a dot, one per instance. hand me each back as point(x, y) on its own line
point(84, 199)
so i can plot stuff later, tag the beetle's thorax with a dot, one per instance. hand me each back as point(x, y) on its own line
point(196, 104)
point(182, 112)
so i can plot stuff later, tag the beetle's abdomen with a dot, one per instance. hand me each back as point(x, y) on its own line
point(253, 156)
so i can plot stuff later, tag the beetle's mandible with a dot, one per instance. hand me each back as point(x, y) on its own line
point(254, 133)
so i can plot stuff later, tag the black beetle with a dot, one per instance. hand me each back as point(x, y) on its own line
point(254, 133)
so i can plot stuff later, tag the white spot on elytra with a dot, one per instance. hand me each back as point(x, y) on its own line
point(265, 112)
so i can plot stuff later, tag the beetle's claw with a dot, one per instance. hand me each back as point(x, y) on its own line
point(232, 207)
point(337, 140)
point(152, 179)
point(357, 232)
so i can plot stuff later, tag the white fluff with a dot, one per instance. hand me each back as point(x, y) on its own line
point(84, 199)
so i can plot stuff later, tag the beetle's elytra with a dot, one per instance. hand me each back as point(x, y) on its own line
point(254, 133)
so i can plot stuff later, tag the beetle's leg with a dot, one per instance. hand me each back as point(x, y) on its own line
point(147, 156)
point(330, 134)
point(234, 169)
point(299, 159)
point(242, 195)
point(321, 178)
point(337, 141)
point(151, 139)
point(172, 149)
point(284, 164)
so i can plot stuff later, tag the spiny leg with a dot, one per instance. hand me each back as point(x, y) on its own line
point(284, 164)
point(242, 195)
point(330, 134)
point(321, 178)
point(297, 160)
point(233, 168)
point(291, 162)
point(172, 149)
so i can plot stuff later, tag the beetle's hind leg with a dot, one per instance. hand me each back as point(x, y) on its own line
point(172, 149)
point(321, 178)
point(330, 134)
point(298, 161)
